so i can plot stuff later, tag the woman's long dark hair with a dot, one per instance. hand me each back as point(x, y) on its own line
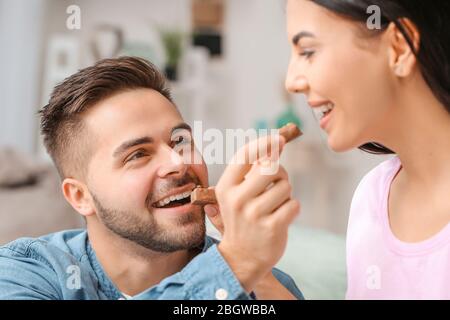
point(432, 19)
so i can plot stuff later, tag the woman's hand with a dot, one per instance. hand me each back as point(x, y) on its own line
point(213, 213)
point(269, 288)
point(256, 211)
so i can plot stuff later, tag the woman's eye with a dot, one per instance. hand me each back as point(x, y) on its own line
point(307, 53)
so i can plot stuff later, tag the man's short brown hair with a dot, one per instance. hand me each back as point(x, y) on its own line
point(62, 124)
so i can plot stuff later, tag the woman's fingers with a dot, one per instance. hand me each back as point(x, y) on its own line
point(270, 200)
point(285, 214)
point(256, 182)
point(242, 161)
point(213, 213)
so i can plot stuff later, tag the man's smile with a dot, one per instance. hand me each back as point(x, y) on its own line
point(176, 197)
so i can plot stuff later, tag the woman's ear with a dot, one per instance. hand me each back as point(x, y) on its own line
point(402, 58)
point(78, 196)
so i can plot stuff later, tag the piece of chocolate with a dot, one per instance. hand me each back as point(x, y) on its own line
point(204, 196)
point(290, 132)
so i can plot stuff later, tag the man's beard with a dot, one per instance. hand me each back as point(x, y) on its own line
point(147, 233)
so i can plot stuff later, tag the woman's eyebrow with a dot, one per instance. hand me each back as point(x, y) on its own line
point(301, 34)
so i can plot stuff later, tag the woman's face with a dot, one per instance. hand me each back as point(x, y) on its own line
point(336, 65)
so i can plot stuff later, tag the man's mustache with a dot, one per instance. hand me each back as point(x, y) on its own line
point(169, 184)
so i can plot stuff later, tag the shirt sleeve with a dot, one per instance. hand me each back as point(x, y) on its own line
point(206, 277)
point(23, 278)
point(288, 283)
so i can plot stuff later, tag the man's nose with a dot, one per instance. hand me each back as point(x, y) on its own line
point(296, 81)
point(173, 164)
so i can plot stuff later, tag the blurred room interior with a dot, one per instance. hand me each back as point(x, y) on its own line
point(226, 60)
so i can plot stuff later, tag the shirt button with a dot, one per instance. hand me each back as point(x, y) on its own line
point(221, 294)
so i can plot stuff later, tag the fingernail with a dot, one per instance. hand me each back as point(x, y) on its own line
point(265, 163)
point(211, 211)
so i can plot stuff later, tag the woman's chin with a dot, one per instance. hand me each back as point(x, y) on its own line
point(338, 144)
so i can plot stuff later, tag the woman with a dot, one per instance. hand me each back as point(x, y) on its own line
point(385, 90)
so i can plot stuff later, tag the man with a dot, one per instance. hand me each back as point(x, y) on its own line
point(116, 137)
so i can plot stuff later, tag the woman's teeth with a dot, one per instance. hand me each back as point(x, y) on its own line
point(323, 110)
point(176, 197)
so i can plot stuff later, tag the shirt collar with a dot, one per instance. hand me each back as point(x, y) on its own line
point(106, 284)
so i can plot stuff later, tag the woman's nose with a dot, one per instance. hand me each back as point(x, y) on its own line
point(296, 81)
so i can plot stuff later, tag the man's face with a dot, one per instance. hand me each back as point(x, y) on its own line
point(136, 169)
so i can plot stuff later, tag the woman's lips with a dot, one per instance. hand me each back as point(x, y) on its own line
point(325, 119)
point(322, 111)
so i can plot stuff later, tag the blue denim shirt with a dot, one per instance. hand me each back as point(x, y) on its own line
point(63, 265)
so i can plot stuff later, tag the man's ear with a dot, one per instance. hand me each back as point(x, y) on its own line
point(402, 58)
point(78, 196)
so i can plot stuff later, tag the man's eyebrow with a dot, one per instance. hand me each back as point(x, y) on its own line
point(135, 142)
point(301, 34)
point(131, 143)
point(181, 126)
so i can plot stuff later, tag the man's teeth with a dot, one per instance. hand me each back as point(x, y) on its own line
point(167, 200)
point(323, 109)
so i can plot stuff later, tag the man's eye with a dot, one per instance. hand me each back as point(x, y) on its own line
point(181, 140)
point(136, 155)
